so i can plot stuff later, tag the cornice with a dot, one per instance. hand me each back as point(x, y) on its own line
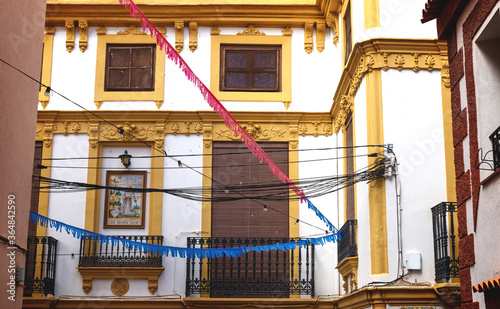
point(385, 54)
point(293, 13)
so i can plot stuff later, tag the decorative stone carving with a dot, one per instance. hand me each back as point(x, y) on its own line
point(83, 27)
point(98, 104)
point(416, 67)
point(369, 63)
point(287, 104)
point(93, 133)
point(101, 30)
point(159, 135)
point(287, 31)
point(48, 133)
point(44, 103)
point(320, 36)
point(152, 286)
point(308, 37)
point(70, 35)
point(87, 285)
point(175, 128)
point(179, 36)
point(399, 61)
point(303, 129)
point(255, 131)
point(215, 30)
point(332, 20)
point(198, 128)
point(386, 61)
point(131, 30)
point(445, 72)
point(193, 36)
point(120, 286)
point(251, 30)
point(430, 62)
point(129, 132)
point(327, 128)
point(50, 30)
point(158, 103)
point(207, 135)
point(294, 137)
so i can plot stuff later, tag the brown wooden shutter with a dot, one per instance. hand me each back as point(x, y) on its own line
point(234, 164)
point(130, 68)
point(348, 32)
point(351, 213)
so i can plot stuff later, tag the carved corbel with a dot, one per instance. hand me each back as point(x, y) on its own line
point(159, 135)
point(193, 36)
point(294, 136)
point(152, 285)
point(332, 20)
point(48, 134)
point(308, 37)
point(50, 30)
point(320, 36)
point(44, 103)
point(87, 285)
point(70, 35)
point(93, 133)
point(287, 31)
point(287, 104)
point(83, 28)
point(445, 72)
point(158, 103)
point(98, 104)
point(215, 30)
point(179, 36)
point(207, 135)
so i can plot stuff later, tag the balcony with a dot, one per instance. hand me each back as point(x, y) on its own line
point(100, 260)
point(269, 274)
point(444, 218)
point(347, 245)
point(40, 266)
point(495, 139)
point(99, 254)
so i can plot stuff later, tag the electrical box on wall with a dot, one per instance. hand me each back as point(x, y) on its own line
point(414, 261)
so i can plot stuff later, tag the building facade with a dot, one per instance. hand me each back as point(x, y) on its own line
point(471, 29)
point(331, 91)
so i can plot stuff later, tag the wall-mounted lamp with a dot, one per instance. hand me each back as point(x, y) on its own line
point(125, 158)
point(47, 91)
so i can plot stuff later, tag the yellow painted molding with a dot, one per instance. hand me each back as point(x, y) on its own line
point(101, 30)
point(48, 45)
point(385, 54)
point(206, 206)
point(193, 36)
point(131, 35)
point(286, 84)
point(179, 36)
point(149, 273)
point(83, 29)
point(348, 269)
point(93, 201)
point(156, 181)
point(251, 30)
point(372, 14)
point(70, 35)
point(320, 36)
point(47, 134)
point(376, 192)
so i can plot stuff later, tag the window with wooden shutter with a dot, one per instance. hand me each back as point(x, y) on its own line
point(130, 68)
point(250, 68)
point(349, 154)
point(348, 33)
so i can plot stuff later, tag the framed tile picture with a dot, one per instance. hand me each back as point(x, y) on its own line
point(125, 209)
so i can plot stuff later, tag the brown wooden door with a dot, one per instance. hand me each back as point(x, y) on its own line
point(261, 274)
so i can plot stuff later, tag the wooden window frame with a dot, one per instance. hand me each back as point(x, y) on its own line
point(347, 32)
point(284, 95)
point(250, 50)
point(131, 47)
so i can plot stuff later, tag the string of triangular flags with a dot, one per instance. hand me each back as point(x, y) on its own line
point(169, 250)
point(217, 106)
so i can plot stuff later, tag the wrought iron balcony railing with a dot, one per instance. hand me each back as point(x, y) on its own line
point(40, 270)
point(495, 139)
point(347, 245)
point(272, 273)
point(443, 226)
point(98, 254)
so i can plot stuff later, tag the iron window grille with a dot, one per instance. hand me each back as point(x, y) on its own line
point(273, 273)
point(495, 139)
point(40, 270)
point(98, 254)
point(347, 245)
point(443, 226)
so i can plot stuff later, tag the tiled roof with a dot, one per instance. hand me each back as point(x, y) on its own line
point(432, 9)
point(490, 284)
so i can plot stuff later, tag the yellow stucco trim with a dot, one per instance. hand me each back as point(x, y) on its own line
point(43, 197)
point(285, 95)
point(48, 44)
point(376, 191)
point(372, 14)
point(345, 5)
point(93, 199)
point(155, 198)
point(206, 206)
point(100, 95)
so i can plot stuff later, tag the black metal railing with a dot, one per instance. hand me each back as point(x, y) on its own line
point(495, 139)
point(274, 273)
point(443, 226)
point(40, 271)
point(347, 245)
point(98, 254)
